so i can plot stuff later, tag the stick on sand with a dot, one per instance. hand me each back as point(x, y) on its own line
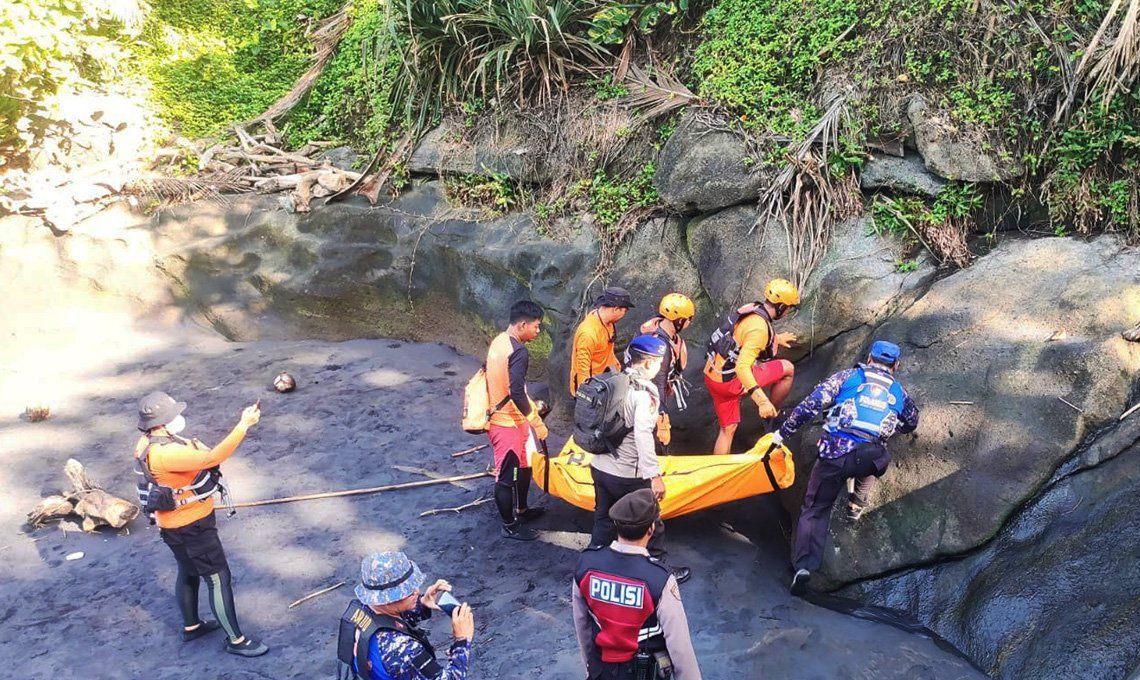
point(1070, 405)
point(457, 509)
point(356, 492)
point(1130, 411)
point(320, 592)
point(464, 452)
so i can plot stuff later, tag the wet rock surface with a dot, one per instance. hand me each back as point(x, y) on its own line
point(995, 352)
point(1000, 604)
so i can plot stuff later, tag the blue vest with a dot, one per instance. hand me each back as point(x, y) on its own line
point(867, 407)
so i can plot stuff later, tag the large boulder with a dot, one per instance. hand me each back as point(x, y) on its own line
point(414, 268)
point(959, 151)
point(857, 283)
point(704, 168)
point(1027, 343)
point(905, 175)
point(451, 149)
point(1011, 604)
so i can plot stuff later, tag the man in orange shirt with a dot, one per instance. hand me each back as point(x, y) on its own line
point(593, 348)
point(177, 481)
point(742, 361)
point(514, 414)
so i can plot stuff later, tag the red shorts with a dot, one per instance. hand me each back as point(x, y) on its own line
point(506, 440)
point(726, 395)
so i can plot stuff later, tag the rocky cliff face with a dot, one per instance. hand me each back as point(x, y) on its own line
point(1015, 362)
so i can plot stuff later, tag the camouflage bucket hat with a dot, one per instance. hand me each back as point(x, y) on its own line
point(387, 577)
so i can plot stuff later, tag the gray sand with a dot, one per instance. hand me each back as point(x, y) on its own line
point(362, 408)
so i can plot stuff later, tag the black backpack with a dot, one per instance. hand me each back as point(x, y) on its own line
point(598, 423)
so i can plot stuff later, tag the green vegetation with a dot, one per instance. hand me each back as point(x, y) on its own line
point(495, 193)
point(49, 45)
point(610, 200)
point(213, 62)
point(352, 101)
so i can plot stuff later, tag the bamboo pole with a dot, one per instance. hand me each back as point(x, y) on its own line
point(356, 492)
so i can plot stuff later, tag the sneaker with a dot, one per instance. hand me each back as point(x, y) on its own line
point(518, 532)
point(800, 582)
point(204, 628)
point(682, 574)
point(854, 512)
point(247, 647)
point(530, 514)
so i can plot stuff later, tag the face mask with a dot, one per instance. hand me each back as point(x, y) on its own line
point(177, 425)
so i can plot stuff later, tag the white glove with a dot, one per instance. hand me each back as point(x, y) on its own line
point(777, 438)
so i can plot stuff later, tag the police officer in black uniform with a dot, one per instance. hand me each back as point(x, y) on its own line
point(628, 614)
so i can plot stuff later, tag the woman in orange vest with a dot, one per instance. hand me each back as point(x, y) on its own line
point(179, 478)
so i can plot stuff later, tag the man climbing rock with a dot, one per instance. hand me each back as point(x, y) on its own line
point(865, 407)
point(674, 314)
point(379, 636)
point(627, 606)
point(741, 360)
point(514, 414)
point(633, 464)
point(592, 350)
point(177, 480)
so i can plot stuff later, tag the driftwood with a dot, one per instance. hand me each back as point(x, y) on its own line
point(86, 499)
point(317, 593)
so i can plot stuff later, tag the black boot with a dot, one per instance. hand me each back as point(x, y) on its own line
point(515, 530)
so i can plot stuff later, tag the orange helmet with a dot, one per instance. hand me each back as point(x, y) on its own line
point(676, 306)
point(782, 292)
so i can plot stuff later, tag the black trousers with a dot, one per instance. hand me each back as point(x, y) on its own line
point(609, 489)
point(828, 477)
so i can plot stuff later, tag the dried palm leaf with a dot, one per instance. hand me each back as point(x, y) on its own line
point(656, 94)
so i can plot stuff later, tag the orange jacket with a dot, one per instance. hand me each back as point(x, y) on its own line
point(753, 335)
point(176, 465)
point(592, 350)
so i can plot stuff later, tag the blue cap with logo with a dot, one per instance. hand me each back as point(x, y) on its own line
point(885, 352)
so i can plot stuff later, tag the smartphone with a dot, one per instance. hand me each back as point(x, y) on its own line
point(447, 603)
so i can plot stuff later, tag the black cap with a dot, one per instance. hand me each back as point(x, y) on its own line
point(638, 508)
point(157, 409)
point(615, 297)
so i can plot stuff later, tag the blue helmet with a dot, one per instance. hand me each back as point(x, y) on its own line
point(647, 346)
point(885, 352)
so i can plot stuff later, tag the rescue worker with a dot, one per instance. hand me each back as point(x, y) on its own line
point(674, 314)
point(865, 406)
point(741, 360)
point(513, 415)
point(187, 470)
point(379, 638)
point(627, 606)
point(634, 465)
point(592, 350)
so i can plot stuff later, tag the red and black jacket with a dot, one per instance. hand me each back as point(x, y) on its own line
point(622, 592)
